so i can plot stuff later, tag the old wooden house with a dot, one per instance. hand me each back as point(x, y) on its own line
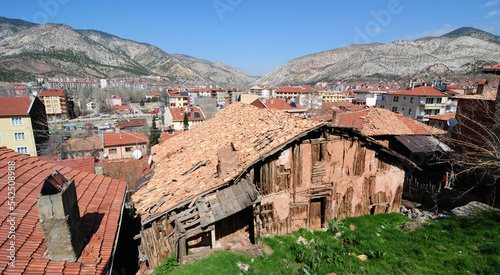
point(249, 172)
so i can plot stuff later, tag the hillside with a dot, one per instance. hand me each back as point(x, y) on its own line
point(28, 49)
point(460, 52)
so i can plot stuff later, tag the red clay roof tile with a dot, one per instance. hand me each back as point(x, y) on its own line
point(15, 106)
point(104, 196)
point(252, 131)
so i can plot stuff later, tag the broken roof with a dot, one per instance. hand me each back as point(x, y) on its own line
point(380, 122)
point(253, 131)
point(278, 104)
point(99, 200)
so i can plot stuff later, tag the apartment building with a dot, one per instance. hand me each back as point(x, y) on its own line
point(418, 103)
point(56, 101)
point(23, 124)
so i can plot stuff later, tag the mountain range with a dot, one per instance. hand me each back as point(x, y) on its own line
point(28, 49)
point(52, 49)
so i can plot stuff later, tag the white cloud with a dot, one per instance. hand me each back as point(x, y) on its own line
point(446, 28)
point(490, 3)
point(491, 14)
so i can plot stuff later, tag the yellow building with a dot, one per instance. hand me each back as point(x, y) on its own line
point(55, 101)
point(23, 124)
point(332, 96)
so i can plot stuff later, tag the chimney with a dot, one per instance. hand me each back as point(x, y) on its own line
point(60, 218)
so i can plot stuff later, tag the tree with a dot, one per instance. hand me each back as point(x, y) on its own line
point(141, 103)
point(476, 140)
point(154, 134)
point(186, 122)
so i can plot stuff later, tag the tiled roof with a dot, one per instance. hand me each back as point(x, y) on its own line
point(52, 92)
point(419, 91)
point(496, 66)
point(99, 200)
point(292, 89)
point(15, 106)
point(83, 164)
point(135, 122)
point(178, 113)
point(123, 138)
point(84, 144)
point(379, 122)
point(128, 170)
point(252, 131)
point(445, 117)
point(169, 133)
point(488, 94)
point(277, 104)
point(122, 107)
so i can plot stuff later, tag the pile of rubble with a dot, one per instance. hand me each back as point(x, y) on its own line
point(468, 210)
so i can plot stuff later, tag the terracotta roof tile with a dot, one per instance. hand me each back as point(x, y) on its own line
point(52, 92)
point(178, 113)
point(419, 91)
point(252, 131)
point(378, 122)
point(82, 164)
point(277, 104)
point(444, 117)
point(104, 196)
point(123, 138)
point(15, 106)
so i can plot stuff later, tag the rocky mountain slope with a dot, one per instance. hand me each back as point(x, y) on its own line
point(59, 49)
point(459, 52)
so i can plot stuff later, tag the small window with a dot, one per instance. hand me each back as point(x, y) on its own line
point(22, 150)
point(396, 98)
point(47, 101)
point(112, 151)
point(128, 149)
point(0, 137)
point(409, 111)
point(438, 100)
point(16, 120)
point(394, 109)
point(411, 99)
point(429, 100)
point(54, 97)
point(19, 136)
point(436, 112)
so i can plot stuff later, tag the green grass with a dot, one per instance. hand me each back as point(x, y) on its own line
point(452, 246)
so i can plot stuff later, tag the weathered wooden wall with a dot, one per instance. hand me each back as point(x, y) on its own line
point(317, 180)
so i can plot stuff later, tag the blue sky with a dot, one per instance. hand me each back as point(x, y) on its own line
point(255, 35)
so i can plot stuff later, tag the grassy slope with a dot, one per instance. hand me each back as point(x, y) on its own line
point(452, 246)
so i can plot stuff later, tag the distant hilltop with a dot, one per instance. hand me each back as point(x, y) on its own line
point(28, 49)
point(460, 52)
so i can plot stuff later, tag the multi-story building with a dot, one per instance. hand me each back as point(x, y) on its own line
point(332, 96)
point(55, 101)
point(114, 100)
point(23, 124)
point(289, 93)
point(418, 103)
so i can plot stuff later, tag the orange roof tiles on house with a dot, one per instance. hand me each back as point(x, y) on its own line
point(178, 113)
point(83, 164)
point(444, 117)
point(169, 133)
point(123, 138)
point(252, 131)
point(52, 92)
point(99, 200)
point(134, 122)
point(15, 106)
point(293, 89)
point(84, 144)
point(380, 122)
point(419, 91)
point(277, 104)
